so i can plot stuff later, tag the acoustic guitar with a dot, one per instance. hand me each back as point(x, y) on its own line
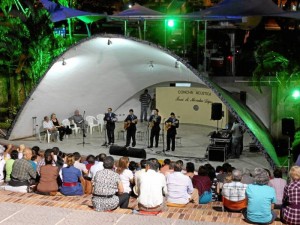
point(169, 124)
point(128, 123)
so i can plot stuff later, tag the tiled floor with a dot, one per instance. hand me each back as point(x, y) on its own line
point(192, 214)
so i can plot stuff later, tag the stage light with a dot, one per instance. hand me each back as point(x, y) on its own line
point(63, 62)
point(296, 94)
point(171, 23)
point(109, 42)
point(129, 6)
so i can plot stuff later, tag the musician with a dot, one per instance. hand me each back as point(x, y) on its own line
point(110, 118)
point(237, 132)
point(154, 122)
point(130, 125)
point(171, 125)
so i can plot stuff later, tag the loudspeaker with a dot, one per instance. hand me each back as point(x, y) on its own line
point(288, 126)
point(216, 153)
point(130, 152)
point(216, 111)
point(172, 84)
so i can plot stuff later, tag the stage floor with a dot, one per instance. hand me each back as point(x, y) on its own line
point(191, 147)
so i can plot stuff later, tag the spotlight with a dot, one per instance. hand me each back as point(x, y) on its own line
point(151, 64)
point(109, 42)
point(64, 62)
point(177, 64)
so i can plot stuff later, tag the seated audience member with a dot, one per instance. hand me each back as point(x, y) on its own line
point(71, 177)
point(36, 150)
point(203, 184)
point(235, 191)
point(8, 148)
point(261, 199)
point(23, 173)
point(278, 184)
point(48, 177)
point(20, 151)
point(61, 129)
point(180, 187)
point(166, 166)
point(97, 166)
point(48, 126)
point(90, 162)
point(211, 172)
point(133, 166)
point(57, 157)
point(9, 164)
point(246, 177)
point(291, 199)
point(78, 164)
point(2, 164)
point(138, 175)
point(77, 118)
point(219, 170)
point(151, 186)
point(226, 169)
point(126, 175)
point(108, 189)
point(190, 169)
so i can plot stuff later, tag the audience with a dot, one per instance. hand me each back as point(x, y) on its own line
point(138, 175)
point(180, 187)
point(190, 169)
point(261, 199)
point(247, 178)
point(126, 175)
point(108, 189)
point(97, 166)
point(90, 162)
point(151, 186)
point(78, 164)
point(9, 164)
point(48, 177)
point(291, 198)
point(278, 184)
point(165, 167)
point(203, 184)
point(2, 164)
point(72, 178)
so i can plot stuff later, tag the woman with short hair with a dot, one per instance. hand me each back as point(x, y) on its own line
point(261, 199)
point(71, 178)
point(291, 198)
point(126, 175)
point(203, 184)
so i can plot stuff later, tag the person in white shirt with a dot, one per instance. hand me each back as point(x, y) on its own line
point(137, 175)
point(180, 187)
point(151, 187)
point(79, 165)
point(126, 175)
point(2, 164)
point(49, 126)
point(97, 166)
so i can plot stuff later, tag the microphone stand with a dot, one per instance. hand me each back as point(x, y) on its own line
point(163, 139)
point(83, 131)
point(105, 136)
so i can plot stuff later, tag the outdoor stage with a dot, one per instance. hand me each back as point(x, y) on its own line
point(190, 147)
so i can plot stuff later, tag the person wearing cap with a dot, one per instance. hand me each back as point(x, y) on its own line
point(171, 125)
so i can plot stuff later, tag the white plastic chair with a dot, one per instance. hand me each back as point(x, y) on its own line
point(92, 122)
point(100, 121)
point(66, 122)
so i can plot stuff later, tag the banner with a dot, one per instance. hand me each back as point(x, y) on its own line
point(190, 105)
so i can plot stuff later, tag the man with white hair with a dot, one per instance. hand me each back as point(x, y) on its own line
point(235, 190)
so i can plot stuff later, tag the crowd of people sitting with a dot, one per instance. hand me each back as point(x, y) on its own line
point(156, 185)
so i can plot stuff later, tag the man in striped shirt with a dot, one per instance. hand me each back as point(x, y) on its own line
point(145, 100)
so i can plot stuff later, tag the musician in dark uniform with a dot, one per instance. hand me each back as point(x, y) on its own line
point(110, 118)
point(171, 125)
point(154, 122)
point(130, 125)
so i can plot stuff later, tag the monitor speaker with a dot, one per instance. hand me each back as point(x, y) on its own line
point(288, 126)
point(216, 111)
point(130, 152)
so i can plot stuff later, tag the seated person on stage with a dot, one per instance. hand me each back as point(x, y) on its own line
point(77, 118)
point(278, 184)
point(72, 178)
point(48, 176)
point(180, 187)
point(235, 191)
point(203, 184)
point(49, 126)
point(151, 185)
point(261, 199)
point(108, 188)
point(61, 129)
point(23, 173)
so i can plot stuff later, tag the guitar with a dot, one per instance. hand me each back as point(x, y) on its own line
point(128, 123)
point(168, 125)
point(152, 122)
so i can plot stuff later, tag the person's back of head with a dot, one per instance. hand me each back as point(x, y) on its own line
point(48, 158)
point(261, 176)
point(36, 149)
point(55, 150)
point(102, 156)
point(70, 160)
point(108, 162)
point(27, 154)
point(277, 173)
point(132, 166)
point(153, 164)
point(90, 159)
point(181, 162)
point(143, 163)
point(178, 166)
point(202, 171)
point(14, 154)
point(167, 162)
point(171, 166)
point(236, 175)
point(219, 169)
point(77, 156)
point(190, 167)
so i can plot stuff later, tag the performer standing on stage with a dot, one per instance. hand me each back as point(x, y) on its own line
point(154, 122)
point(130, 125)
point(110, 119)
point(170, 125)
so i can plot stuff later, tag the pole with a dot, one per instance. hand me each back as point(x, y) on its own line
point(205, 36)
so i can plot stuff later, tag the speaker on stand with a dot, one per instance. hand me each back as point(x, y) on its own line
point(216, 112)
